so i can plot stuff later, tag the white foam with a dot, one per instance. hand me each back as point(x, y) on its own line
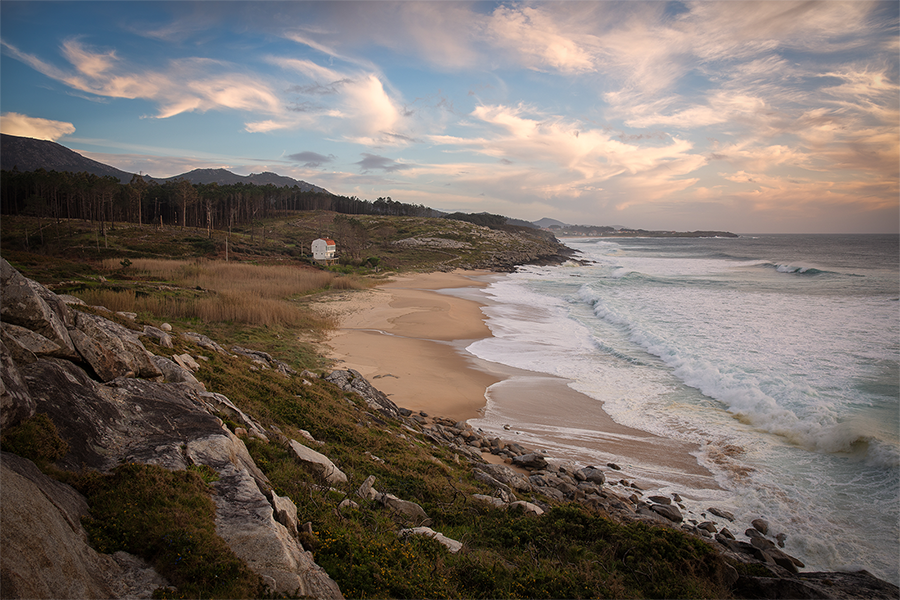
point(709, 351)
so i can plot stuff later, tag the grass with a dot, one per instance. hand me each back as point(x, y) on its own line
point(36, 439)
point(168, 518)
point(218, 292)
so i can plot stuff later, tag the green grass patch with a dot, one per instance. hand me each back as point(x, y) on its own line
point(36, 439)
point(168, 518)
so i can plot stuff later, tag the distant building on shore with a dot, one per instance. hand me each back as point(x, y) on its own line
point(324, 250)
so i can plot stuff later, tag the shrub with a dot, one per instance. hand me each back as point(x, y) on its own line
point(168, 518)
point(36, 439)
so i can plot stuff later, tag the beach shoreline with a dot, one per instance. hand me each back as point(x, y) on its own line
point(408, 337)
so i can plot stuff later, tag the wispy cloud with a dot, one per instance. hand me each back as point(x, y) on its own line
point(184, 85)
point(34, 127)
point(362, 111)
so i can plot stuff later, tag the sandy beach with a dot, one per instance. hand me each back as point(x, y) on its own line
point(409, 340)
point(406, 339)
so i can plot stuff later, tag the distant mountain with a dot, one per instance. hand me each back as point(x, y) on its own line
point(29, 154)
point(547, 222)
point(224, 177)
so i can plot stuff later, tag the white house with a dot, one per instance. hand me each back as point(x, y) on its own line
point(324, 249)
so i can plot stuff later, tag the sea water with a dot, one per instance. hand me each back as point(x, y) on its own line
point(776, 355)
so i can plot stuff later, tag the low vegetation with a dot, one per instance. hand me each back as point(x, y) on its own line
point(167, 518)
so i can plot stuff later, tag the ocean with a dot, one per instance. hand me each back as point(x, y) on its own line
point(776, 356)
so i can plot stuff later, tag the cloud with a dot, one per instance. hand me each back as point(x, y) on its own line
point(310, 159)
point(33, 127)
point(533, 35)
point(362, 111)
point(373, 161)
point(184, 85)
point(590, 154)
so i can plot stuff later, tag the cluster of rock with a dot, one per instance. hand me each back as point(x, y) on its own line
point(432, 242)
point(496, 250)
point(530, 474)
point(519, 249)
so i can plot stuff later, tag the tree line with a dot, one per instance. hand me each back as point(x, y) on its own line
point(65, 195)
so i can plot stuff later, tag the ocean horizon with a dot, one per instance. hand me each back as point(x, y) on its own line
point(776, 356)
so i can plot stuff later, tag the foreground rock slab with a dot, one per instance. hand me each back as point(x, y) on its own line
point(45, 550)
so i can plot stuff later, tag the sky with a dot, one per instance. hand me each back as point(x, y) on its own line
point(751, 117)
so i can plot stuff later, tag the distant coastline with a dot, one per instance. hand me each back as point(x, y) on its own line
point(587, 231)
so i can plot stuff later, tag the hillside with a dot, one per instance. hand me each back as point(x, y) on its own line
point(225, 177)
point(28, 154)
point(364, 242)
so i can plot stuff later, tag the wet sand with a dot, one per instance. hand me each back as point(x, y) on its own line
point(408, 339)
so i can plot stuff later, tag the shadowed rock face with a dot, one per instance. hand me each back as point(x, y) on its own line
point(128, 419)
point(16, 403)
point(134, 420)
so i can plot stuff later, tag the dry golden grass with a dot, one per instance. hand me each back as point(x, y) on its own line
point(231, 277)
point(237, 292)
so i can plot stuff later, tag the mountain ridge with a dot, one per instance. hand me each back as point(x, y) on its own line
point(30, 154)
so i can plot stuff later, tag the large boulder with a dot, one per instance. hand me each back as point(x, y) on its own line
point(668, 511)
point(246, 520)
point(319, 462)
point(23, 303)
point(531, 461)
point(593, 475)
point(110, 349)
point(404, 509)
point(506, 475)
point(175, 373)
point(16, 403)
point(159, 336)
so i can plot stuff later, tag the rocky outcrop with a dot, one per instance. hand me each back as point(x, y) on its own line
point(830, 586)
point(245, 519)
point(113, 402)
point(24, 305)
point(352, 381)
point(45, 550)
